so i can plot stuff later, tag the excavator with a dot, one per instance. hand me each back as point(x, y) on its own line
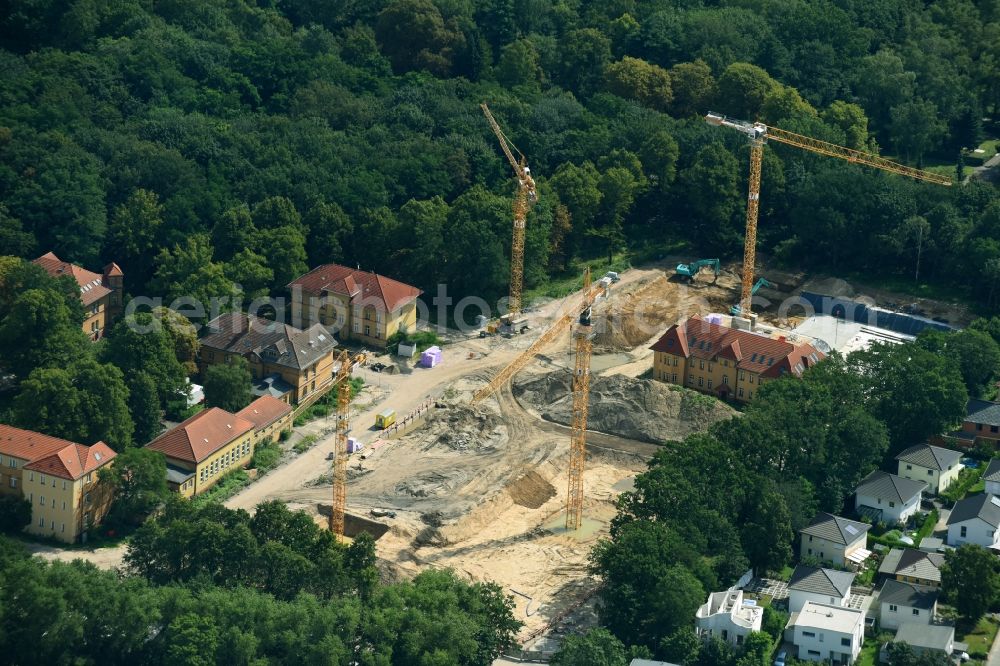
point(736, 310)
point(689, 271)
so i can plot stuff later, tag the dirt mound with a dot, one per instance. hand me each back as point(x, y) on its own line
point(635, 317)
point(642, 409)
point(467, 428)
point(531, 490)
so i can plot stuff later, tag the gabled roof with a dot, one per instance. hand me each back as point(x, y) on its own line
point(982, 506)
point(919, 564)
point(884, 485)
point(73, 461)
point(239, 333)
point(29, 445)
point(983, 411)
point(360, 287)
point(91, 284)
point(264, 411)
point(925, 636)
point(930, 457)
point(702, 339)
point(905, 594)
point(828, 582)
point(836, 529)
point(201, 435)
point(992, 472)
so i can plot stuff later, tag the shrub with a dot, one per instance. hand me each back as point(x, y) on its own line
point(305, 443)
point(266, 457)
point(15, 514)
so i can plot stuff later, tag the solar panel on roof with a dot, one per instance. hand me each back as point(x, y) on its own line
point(852, 530)
point(995, 500)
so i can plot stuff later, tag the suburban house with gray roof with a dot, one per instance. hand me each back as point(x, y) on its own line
point(901, 603)
point(975, 520)
point(286, 363)
point(830, 538)
point(922, 638)
point(908, 565)
point(824, 586)
point(937, 466)
point(992, 477)
point(888, 498)
point(982, 420)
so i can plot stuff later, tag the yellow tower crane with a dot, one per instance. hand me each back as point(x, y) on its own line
point(581, 402)
point(343, 386)
point(759, 134)
point(523, 201)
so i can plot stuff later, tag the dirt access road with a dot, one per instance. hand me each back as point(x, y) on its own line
point(407, 391)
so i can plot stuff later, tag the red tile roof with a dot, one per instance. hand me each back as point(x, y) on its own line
point(29, 445)
point(264, 411)
point(91, 284)
point(698, 338)
point(113, 270)
point(361, 287)
point(73, 461)
point(201, 435)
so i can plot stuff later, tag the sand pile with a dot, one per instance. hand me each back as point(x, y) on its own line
point(531, 490)
point(635, 317)
point(641, 409)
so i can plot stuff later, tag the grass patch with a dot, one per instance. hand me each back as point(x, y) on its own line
point(980, 638)
point(967, 480)
point(228, 485)
point(785, 574)
point(869, 653)
point(305, 443)
point(266, 457)
point(327, 403)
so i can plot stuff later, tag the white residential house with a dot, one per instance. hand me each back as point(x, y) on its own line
point(888, 498)
point(923, 462)
point(830, 538)
point(901, 603)
point(976, 520)
point(821, 632)
point(727, 616)
point(824, 586)
point(992, 477)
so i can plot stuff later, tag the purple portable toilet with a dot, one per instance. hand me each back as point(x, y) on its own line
point(431, 357)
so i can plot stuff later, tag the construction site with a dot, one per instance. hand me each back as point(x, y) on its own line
point(509, 451)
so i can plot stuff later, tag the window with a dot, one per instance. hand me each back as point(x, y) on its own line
point(741, 391)
point(814, 653)
point(930, 472)
point(674, 378)
point(357, 327)
point(994, 428)
point(979, 426)
point(41, 522)
point(13, 482)
point(743, 375)
point(909, 467)
point(725, 364)
point(821, 638)
point(751, 379)
point(12, 462)
point(750, 395)
point(368, 330)
point(725, 379)
point(64, 506)
point(963, 531)
point(810, 551)
point(701, 381)
point(64, 485)
point(41, 479)
point(846, 642)
point(709, 383)
point(690, 379)
point(701, 365)
point(31, 476)
point(675, 362)
point(710, 367)
point(86, 497)
point(809, 634)
point(89, 478)
point(892, 505)
point(916, 611)
point(893, 608)
point(63, 527)
point(41, 500)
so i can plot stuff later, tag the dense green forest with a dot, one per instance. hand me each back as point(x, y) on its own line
point(199, 142)
point(208, 585)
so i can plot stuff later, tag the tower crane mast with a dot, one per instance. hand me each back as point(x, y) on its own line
point(343, 386)
point(759, 134)
point(581, 401)
point(524, 199)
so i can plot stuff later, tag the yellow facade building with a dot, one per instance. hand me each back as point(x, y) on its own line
point(59, 479)
point(286, 363)
point(269, 417)
point(202, 449)
point(101, 294)
point(355, 304)
point(728, 363)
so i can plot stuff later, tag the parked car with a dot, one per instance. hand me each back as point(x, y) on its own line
point(613, 276)
point(780, 659)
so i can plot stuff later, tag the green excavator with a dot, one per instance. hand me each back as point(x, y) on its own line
point(689, 271)
point(735, 310)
